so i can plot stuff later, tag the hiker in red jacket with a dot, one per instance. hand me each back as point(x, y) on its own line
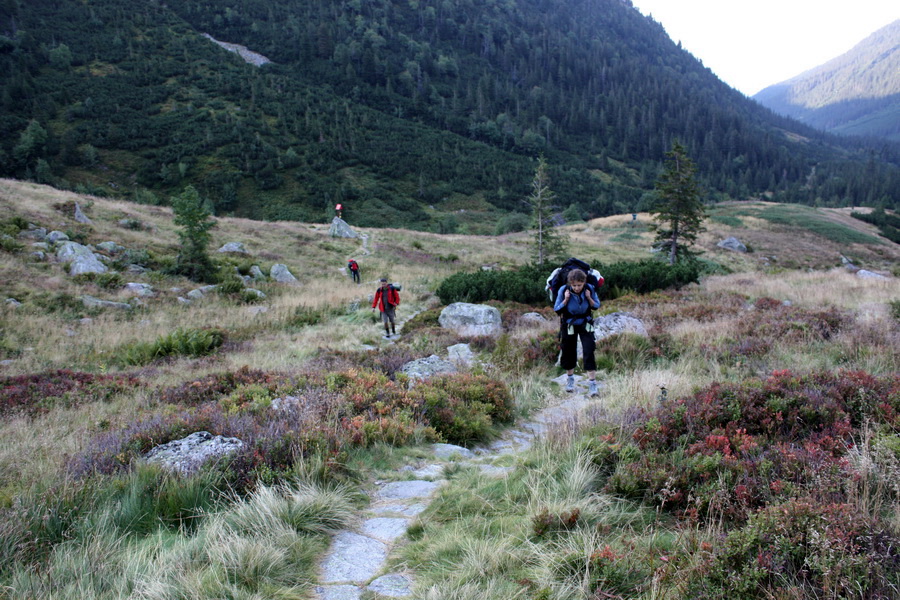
point(386, 298)
point(353, 266)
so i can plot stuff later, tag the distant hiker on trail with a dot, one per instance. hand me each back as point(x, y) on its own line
point(338, 208)
point(575, 302)
point(354, 270)
point(386, 298)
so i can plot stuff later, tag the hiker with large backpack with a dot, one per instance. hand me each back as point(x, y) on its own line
point(386, 298)
point(353, 266)
point(575, 302)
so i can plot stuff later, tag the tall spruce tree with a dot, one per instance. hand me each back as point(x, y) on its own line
point(678, 208)
point(549, 243)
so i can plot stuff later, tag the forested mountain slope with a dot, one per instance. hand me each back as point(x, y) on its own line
point(423, 114)
point(857, 93)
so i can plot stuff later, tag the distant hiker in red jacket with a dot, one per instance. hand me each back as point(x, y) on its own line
point(386, 298)
point(338, 209)
point(353, 266)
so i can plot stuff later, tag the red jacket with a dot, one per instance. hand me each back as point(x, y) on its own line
point(393, 298)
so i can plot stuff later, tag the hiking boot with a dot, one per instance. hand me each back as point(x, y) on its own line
point(592, 389)
point(570, 384)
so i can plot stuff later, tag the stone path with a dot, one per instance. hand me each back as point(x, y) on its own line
point(356, 562)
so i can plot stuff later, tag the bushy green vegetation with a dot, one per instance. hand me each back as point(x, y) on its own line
point(181, 342)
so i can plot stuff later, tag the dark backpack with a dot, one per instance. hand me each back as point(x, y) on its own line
point(559, 276)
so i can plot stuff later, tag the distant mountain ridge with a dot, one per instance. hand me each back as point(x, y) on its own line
point(857, 93)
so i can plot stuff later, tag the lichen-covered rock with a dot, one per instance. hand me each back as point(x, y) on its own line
point(732, 243)
point(471, 319)
point(618, 322)
point(282, 274)
point(234, 248)
point(426, 368)
point(92, 302)
point(188, 454)
point(339, 228)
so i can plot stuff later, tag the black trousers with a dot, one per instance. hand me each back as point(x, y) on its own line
point(569, 346)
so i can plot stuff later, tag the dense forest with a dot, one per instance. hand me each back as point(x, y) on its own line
point(422, 114)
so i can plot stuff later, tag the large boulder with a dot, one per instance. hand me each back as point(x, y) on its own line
point(139, 289)
point(471, 319)
point(618, 322)
point(339, 228)
point(57, 236)
point(188, 454)
point(282, 274)
point(80, 258)
point(732, 243)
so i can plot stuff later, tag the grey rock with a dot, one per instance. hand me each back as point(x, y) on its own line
point(410, 510)
point(461, 354)
point(385, 529)
point(195, 295)
point(257, 274)
point(282, 274)
point(136, 269)
point(285, 403)
point(38, 256)
point(403, 490)
point(338, 592)
point(392, 585)
point(111, 247)
point(40, 245)
point(256, 292)
point(80, 258)
point(532, 318)
point(6, 363)
point(57, 236)
point(139, 289)
point(182, 300)
point(188, 454)
point(339, 228)
point(33, 233)
point(870, 275)
point(732, 243)
point(80, 216)
point(447, 451)
point(92, 302)
point(353, 558)
point(429, 472)
point(426, 368)
point(69, 251)
point(86, 321)
point(233, 247)
point(471, 319)
point(618, 322)
point(13, 303)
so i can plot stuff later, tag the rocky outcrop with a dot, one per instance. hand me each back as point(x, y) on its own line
point(80, 258)
point(426, 368)
point(471, 319)
point(187, 455)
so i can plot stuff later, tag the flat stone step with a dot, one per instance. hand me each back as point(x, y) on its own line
point(384, 528)
point(353, 558)
point(392, 585)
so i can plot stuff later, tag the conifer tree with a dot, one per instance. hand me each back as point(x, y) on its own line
point(192, 214)
point(549, 242)
point(677, 208)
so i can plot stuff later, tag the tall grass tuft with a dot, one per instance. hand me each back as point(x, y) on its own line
point(181, 342)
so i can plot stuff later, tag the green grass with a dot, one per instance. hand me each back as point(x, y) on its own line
point(809, 219)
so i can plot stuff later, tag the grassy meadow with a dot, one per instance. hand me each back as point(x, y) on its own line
point(748, 447)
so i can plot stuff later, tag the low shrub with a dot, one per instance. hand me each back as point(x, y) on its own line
point(212, 387)
point(731, 449)
point(181, 342)
point(647, 276)
point(525, 285)
point(37, 393)
point(805, 548)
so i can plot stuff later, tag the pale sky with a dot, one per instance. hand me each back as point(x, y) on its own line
point(751, 45)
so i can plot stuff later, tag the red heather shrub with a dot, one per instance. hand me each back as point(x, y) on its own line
point(805, 548)
point(37, 393)
point(737, 447)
